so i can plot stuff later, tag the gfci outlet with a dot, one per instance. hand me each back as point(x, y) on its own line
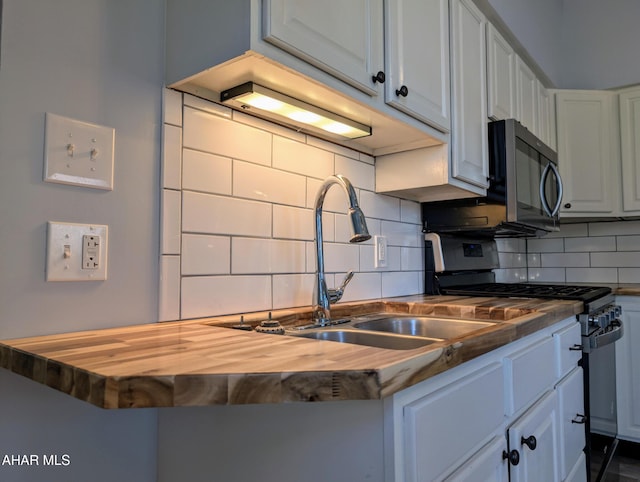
point(76, 252)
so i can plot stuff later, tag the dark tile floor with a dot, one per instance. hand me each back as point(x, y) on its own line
point(625, 466)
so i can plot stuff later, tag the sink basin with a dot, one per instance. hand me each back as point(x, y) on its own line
point(421, 326)
point(378, 340)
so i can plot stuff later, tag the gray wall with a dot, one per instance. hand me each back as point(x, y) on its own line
point(580, 44)
point(100, 61)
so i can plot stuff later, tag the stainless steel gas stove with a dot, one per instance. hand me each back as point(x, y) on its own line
point(464, 266)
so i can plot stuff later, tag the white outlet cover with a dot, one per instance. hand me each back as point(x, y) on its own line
point(64, 252)
point(78, 153)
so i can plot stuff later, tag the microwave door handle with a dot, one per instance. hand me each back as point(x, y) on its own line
point(556, 208)
point(543, 195)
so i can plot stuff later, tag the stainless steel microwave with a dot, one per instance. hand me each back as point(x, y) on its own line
point(524, 193)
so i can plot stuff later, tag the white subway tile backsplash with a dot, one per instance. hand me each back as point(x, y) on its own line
point(599, 243)
point(360, 174)
point(299, 223)
point(592, 275)
point(219, 295)
point(614, 228)
point(206, 172)
point(628, 275)
point(563, 260)
point(171, 214)
point(547, 275)
point(511, 245)
point(339, 258)
point(255, 255)
point(363, 286)
point(270, 185)
point(299, 158)
point(169, 303)
point(172, 107)
point(292, 290)
point(511, 275)
point(401, 234)
point(380, 206)
point(570, 231)
point(411, 259)
point(367, 262)
point(402, 283)
point(171, 157)
point(545, 245)
point(206, 106)
point(512, 260)
point(207, 213)
point(205, 255)
point(410, 212)
point(627, 259)
point(628, 243)
point(204, 131)
point(533, 260)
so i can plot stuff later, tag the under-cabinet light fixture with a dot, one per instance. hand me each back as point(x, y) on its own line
point(275, 104)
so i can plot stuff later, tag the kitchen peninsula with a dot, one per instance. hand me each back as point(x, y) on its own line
point(195, 362)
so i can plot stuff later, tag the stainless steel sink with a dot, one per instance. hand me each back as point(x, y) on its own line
point(378, 340)
point(420, 326)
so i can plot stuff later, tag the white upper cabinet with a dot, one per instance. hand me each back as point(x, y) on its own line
point(546, 128)
point(342, 38)
point(417, 59)
point(526, 96)
point(501, 76)
point(469, 150)
point(630, 148)
point(589, 152)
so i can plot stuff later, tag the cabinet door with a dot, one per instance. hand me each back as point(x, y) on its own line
point(630, 137)
point(486, 465)
point(572, 420)
point(417, 58)
point(627, 379)
point(546, 127)
point(469, 150)
point(579, 471)
point(501, 76)
point(526, 96)
point(588, 156)
point(443, 429)
point(535, 437)
point(568, 344)
point(342, 38)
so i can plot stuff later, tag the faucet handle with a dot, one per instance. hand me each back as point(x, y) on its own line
point(336, 294)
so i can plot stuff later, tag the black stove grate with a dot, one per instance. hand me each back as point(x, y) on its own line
point(527, 290)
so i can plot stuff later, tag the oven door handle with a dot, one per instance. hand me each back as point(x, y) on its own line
point(543, 195)
point(609, 336)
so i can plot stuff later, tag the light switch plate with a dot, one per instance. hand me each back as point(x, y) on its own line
point(70, 246)
point(78, 153)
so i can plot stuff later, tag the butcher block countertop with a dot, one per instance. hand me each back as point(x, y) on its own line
point(202, 362)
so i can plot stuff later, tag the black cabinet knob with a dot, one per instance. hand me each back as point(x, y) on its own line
point(403, 91)
point(576, 347)
point(379, 77)
point(567, 206)
point(513, 456)
point(581, 419)
point(530, 442)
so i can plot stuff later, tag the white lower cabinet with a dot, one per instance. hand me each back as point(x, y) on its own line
point(506, 415)
point(535, 437)
point(486, 465)
point(571, 422)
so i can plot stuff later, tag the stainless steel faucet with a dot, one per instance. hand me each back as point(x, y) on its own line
point(322, 296)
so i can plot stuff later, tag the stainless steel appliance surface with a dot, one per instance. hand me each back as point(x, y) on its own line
point(524, 194)
point(459, 265)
